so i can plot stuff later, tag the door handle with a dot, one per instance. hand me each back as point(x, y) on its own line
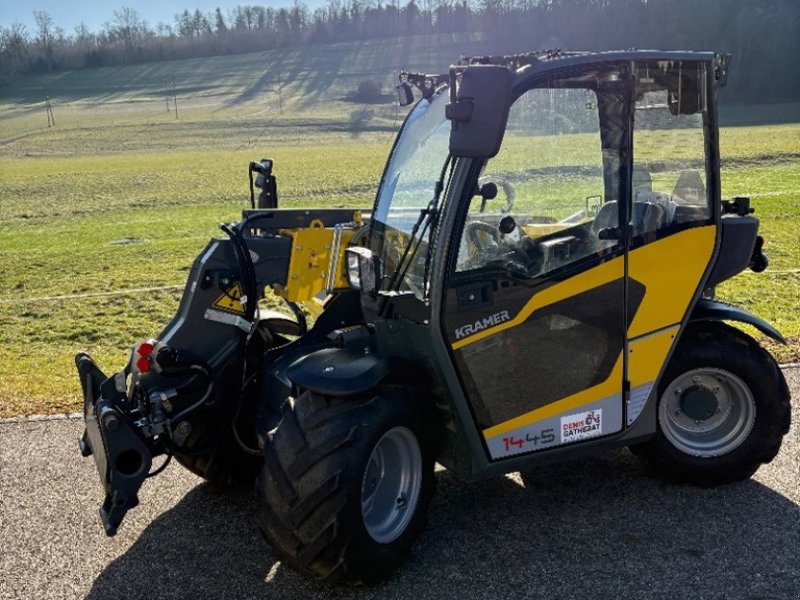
point(474, 296)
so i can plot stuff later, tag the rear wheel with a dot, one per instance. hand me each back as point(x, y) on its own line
point(346, 483)
point(723, 408)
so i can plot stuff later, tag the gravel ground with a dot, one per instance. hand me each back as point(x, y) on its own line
point(604, 527)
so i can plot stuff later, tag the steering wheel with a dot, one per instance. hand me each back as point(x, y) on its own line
point(509, 191)
point(477, 233)
point(491, 250)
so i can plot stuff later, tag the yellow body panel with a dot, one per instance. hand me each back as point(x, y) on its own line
point(670, 269)
point(311, 260)
point(536, 230)
point(647, 354)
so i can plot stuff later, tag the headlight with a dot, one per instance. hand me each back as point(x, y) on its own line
point(363, 269)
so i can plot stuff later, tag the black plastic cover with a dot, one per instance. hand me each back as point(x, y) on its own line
point(713, 310)
point(736, 248)
point(338, 371)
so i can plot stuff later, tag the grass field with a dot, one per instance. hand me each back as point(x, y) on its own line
point(120, 195)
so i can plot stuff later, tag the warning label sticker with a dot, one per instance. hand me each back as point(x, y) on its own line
point(581, 426)
point(231, 300)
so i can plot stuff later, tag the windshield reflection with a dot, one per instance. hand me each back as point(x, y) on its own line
point(415, 164)
point(408, 186)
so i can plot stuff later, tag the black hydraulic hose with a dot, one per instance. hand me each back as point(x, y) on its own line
point(252, 188)
point(203, 400)
point(248, 270)
point(302, 323)
point(165, 464)
point(244, 223)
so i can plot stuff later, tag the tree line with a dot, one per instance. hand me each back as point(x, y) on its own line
point(763, 35)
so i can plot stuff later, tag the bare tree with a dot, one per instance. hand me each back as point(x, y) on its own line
point(13, 48)
point(45, 36)
point(128, 26)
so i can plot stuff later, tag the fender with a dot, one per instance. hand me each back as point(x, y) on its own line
point(713, 310)
point(339, 371)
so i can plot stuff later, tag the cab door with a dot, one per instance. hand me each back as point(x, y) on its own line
point(535, 309)
point(673, 231)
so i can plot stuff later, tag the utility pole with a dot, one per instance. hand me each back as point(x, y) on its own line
point(280, 94)
point(175, 97)
point(51, 120)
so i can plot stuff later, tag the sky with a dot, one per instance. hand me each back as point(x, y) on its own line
point(94, 13)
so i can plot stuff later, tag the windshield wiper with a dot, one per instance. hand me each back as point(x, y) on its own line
point(427, 216)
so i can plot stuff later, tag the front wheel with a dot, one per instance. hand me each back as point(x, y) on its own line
point(346, 483)
point(723, 408)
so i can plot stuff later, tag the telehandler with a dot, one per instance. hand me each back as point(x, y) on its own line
point(534, 282)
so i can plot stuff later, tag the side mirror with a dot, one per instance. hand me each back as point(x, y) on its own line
point(364, 269)
point(478, 109)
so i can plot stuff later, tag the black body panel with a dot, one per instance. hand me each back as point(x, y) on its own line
point(713, 310)
point(736, 248)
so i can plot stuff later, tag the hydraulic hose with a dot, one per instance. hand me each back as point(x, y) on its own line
point(248, 270)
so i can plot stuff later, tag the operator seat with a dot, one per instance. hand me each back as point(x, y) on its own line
point(647, 217)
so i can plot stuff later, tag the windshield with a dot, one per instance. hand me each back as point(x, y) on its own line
point(409, 185)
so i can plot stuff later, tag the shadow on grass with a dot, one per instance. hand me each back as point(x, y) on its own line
point(604, 527)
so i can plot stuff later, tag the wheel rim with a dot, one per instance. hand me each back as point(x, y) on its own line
point(707, 412)
point(391, 485)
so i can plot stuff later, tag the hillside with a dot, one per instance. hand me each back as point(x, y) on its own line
point(234, 102)
point(306, 88)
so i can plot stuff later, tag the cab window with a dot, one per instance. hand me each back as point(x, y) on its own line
point(669, 137)
point(543, 200)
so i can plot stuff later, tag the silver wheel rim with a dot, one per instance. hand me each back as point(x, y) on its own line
point(391, 485)
point(717, 424)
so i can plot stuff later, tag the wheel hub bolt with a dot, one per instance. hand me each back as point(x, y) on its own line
point(401, 502)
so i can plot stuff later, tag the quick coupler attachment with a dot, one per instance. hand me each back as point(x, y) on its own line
point(122, 458)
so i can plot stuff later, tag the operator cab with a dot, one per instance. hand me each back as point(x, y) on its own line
point(559, 180)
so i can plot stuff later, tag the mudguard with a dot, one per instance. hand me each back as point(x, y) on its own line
point(713, 310)
point(338, 371)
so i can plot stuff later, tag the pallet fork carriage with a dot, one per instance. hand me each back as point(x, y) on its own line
point(573, 314)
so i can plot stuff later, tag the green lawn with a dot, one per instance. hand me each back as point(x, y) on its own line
point(120, 195)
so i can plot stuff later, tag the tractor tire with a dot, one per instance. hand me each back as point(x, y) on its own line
point(225, 462)
point(226, 465)
point(346, 483)
point(723, 408)
point(221, 459)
